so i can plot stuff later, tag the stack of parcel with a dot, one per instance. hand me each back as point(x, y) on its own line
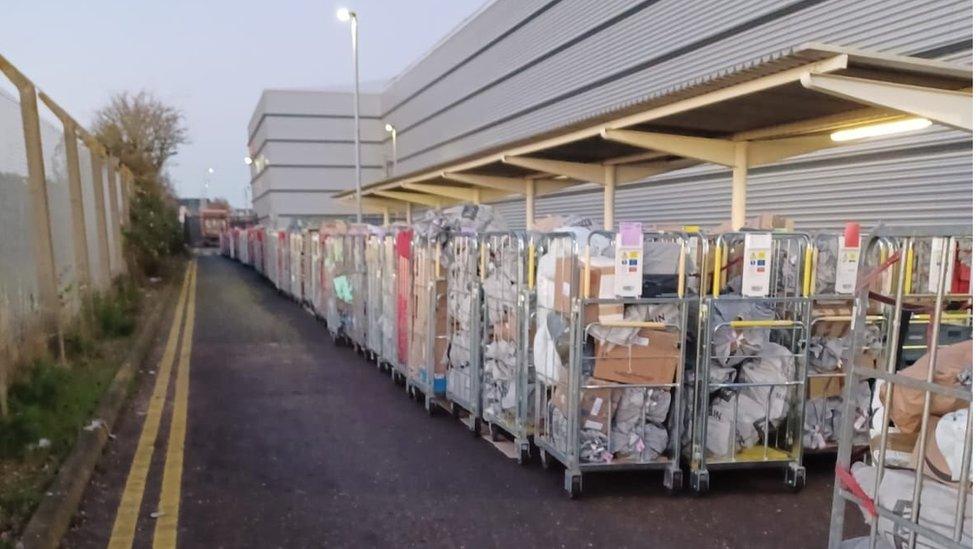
point(609, 345)
point(443, 328)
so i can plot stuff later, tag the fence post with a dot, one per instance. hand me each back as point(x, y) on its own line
point(37, 189)
point(98, 179)
point(113, 200)
point(127, 187)
point(79, 236)
point(77, 209)
point(40, 210)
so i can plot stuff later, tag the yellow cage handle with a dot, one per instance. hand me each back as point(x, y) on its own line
point(808, 263)
point(761, 323)
point(716, 269)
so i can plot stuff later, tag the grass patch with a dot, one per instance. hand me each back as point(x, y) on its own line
point(49, 407)
point(115, 315)
point(51, 403)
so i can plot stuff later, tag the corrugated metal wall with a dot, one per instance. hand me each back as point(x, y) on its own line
point(914, 180)
point(650, 46)
point(565, 61)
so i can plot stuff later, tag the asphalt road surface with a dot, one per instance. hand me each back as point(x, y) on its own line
point(294, 442)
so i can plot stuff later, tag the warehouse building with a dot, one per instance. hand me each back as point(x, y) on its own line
point(301, 146)
point(519, 69)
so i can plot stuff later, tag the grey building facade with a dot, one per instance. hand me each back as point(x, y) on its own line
point(520, 68)
point(301, 144)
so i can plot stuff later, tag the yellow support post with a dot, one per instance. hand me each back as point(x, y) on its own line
point(609, 196)
point(740, 169)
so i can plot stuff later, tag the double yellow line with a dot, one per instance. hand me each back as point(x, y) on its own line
point(167, 513)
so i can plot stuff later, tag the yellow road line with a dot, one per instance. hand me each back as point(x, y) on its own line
point(169, 498)
point(123, 531)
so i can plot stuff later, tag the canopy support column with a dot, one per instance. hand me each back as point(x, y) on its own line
point(609, 195)
point(529, 203)
point(386, 217)
point(740, 169)
point(409, 213)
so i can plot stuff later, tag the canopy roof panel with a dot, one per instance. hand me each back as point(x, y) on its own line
point(785, 103)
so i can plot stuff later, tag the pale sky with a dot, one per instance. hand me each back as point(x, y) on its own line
point(212, 58)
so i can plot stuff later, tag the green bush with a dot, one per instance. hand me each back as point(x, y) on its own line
point(154, 232)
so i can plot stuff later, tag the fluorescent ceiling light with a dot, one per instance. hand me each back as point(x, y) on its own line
point(884, 128)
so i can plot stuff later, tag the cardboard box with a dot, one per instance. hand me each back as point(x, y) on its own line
point(563, 285)
point(763, 221)
point(824, 387)
point(595, 406)
point(654, 363)
point(601, 287)
point(440, 355)
point(901, 450)
point(837, 328)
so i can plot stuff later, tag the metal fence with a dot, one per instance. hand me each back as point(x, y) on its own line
point(63, 203)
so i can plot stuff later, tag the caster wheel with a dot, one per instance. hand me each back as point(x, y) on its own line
point(544, 458)
point(673, 481)
point(796, 478)
point(524, 455)
point(476, 427)
point(492, 432)
point(455, 411)
point(428, 406)
point(574, 485)
point(699, 482)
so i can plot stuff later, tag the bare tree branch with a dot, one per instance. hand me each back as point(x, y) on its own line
point(143, 132)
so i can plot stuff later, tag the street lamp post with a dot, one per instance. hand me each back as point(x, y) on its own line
point(391, 129)
point(344, 14)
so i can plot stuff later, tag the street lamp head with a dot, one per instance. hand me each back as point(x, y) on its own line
point(344, 14)
point(390, 128)
point(248, 160)
point(210, 170)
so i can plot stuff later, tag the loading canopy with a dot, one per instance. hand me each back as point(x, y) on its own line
point(783, 105)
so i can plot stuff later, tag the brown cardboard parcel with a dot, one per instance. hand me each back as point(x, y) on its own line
point(654, 363)
point(563, 299)
point(595, 406)
point(825, 386)
point(601, 287)
point(423, 300)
